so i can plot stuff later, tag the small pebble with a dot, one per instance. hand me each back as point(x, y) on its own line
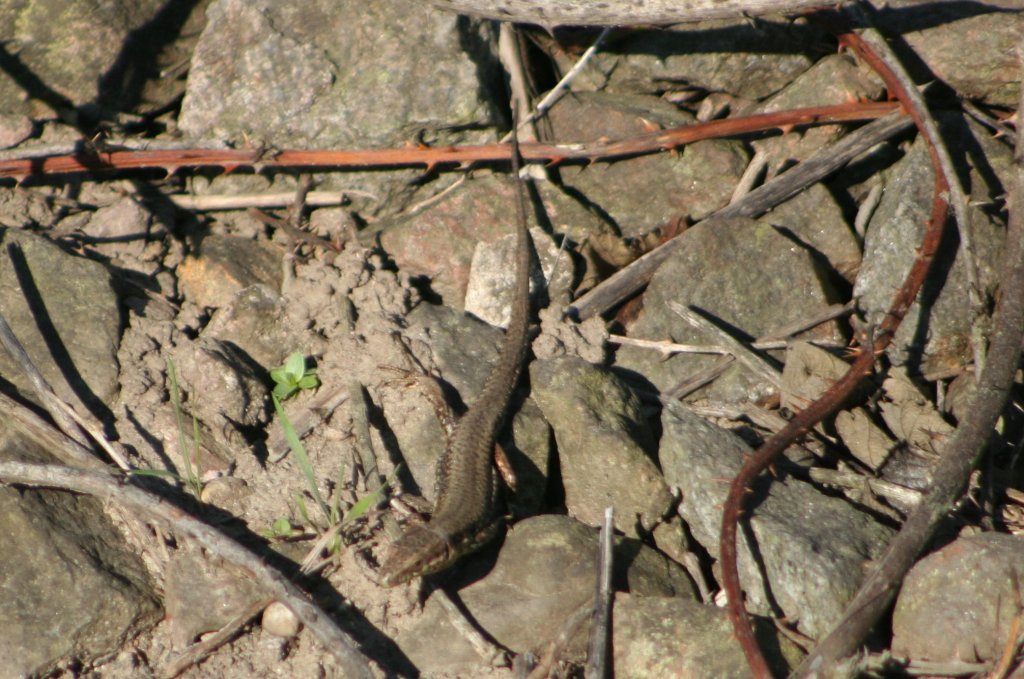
point(280, 621)
point(226, 492)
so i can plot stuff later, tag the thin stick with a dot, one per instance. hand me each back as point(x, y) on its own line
point(360, 406)
point(736, 348)
point(999, 127)
point(511, 57)
point(53, 404)
point(866, 209)
point(803, 324)
point(450, 156)
point(665, 347)
point(633, 277)
point(203, 649)
point(561, 88)
point(833, 397)
point(962, 450)
point(558, 645)
point(647, 12)
point(259, 200)
point(695, 381)
point(755, 168)
point(491, 653)
point(669, 348)
point(556, 93)
point(111, 489)
point(67, 450)
point(600, 627)
point(900, 495)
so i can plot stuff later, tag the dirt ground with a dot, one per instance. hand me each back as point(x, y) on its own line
point(377, 279)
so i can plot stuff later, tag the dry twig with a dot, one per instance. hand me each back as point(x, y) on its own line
point(835, 396)
point(558, 645)
point(67, 419)
point(823, 163)
point(113, 489)
point(743, 354)
point(600, 626)
point(961, 452)
point(203, 649)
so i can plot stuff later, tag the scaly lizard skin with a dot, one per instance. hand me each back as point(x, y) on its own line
point(465, 511)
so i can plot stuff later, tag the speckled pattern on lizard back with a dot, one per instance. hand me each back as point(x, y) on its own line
point(465, 513)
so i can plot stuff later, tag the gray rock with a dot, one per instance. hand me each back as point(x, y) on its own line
point(981, 72)
point(683, 639)
point(64, 310)
point(744, 273)
point(323, 73)
point(441, 242)
point(14, 129)
point(256, 321)
point(224, 387)
point(19, 207)
point(650, 191)
point(492, 276)
point(69, 588)
point(545, 571)
point(744, 59)
point(815, 219)
point(74, 48)
point(958, 604)
point(124, 219)
point(202, 594)
point(603, 441)
point(936, 336)
point(811, 549)
point(462, 346)
point(222, 266)
point(529, 458)
point(813, 216)
point(349, 74)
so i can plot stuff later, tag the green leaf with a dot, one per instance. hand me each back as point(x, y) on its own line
point(295, 366)
point(370, 499)
point(161, 473)
point(363, 504)
point(191, 477)
point(301, 504)
point(282, 527)
point(334, 544)
point(283, 390)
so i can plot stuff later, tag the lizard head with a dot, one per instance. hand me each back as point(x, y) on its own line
point(420, 551)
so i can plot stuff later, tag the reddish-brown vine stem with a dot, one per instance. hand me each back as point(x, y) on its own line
point(430, 157)
point(836, 395)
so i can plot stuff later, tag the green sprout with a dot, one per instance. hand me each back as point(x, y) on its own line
point(290, 378)
point(293, 376)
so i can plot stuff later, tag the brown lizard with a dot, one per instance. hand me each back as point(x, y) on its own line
point(466, 486)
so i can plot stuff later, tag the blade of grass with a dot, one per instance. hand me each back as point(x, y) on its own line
point(299, 451)
point(191, 477)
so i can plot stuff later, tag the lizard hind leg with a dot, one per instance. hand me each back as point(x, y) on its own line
point(431, 389)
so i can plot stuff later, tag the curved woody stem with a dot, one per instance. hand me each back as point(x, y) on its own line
point(840, 391)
